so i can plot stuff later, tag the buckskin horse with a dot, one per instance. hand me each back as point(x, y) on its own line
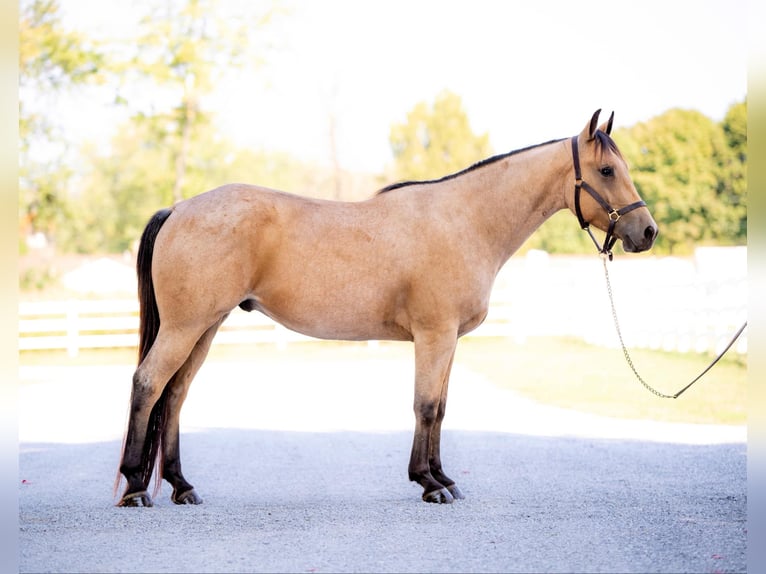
point(415, 262)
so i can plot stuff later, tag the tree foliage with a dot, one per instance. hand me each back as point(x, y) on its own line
point(51, 59)
point(733, 188)
point(691, 172)
point(169, 148)
point(181, 52)
point(132, 181)
point(436, 140)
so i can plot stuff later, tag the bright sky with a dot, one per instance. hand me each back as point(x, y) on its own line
point(527, 71)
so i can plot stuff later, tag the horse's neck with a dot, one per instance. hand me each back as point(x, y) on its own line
point(512, 197)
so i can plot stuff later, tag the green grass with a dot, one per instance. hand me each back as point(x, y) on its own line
point(572, 374)
point(562, 372)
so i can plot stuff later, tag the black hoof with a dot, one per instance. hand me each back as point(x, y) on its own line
point(188, 497)
point(440, 496)
point(141, 498)
point(455, 492)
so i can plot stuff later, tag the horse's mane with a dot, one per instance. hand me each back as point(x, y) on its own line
point(603, 140)
point(475, 166)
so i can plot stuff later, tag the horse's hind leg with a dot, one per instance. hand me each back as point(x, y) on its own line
point(183, 491)
point(147, 405)
point(433, 359)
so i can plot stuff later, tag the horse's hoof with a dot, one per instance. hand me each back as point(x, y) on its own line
point(455, 492)
point(440, 496)
point(140, 498)
point(188, 497)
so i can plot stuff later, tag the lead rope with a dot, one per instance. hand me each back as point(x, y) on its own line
point(630, 361)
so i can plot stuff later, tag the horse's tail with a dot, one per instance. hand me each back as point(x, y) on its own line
point(149, 327)
point(149, 314)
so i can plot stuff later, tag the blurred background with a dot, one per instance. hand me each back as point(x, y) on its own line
point(127, 107)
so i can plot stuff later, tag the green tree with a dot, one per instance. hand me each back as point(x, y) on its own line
point(682, 165)
point(733, 184)
point(169, 149)
point(51, 60)
point(436, 140)
point(124, 186)
point(121, 190)
point(179, 54)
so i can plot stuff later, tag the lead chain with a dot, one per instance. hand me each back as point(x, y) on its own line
point(622, 343)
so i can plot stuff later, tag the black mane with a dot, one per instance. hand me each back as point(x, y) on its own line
point(475, 166)
point(606, 142)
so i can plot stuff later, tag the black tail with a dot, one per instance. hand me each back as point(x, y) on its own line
point(150, 315)
point(148, 328)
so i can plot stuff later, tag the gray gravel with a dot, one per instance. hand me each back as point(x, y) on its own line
point(547, 490)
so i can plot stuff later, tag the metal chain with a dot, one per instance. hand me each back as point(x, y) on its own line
point(630, 361)
point(622, 343)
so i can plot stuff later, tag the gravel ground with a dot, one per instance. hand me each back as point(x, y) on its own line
point(304, 470)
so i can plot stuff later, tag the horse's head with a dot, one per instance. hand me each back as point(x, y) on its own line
point(605, 196)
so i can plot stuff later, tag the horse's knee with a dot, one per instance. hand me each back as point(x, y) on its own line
point(427, 412)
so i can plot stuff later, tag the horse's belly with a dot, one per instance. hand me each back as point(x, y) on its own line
point(334, 329)
point(345, 323)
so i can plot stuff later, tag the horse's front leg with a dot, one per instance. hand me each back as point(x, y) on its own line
point(433, 360)
point(434, 460)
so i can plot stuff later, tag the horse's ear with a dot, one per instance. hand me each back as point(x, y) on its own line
point(590, 128)
point(606, 127)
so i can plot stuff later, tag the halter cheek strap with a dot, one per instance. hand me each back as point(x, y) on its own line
point(614, 214)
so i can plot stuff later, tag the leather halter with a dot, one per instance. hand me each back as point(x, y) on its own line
point(614, 214)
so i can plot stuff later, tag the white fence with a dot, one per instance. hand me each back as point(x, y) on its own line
point(687, 305)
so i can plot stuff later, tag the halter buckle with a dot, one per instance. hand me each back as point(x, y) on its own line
point(614, 216)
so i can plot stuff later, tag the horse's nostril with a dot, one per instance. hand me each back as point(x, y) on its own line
point(650, 233)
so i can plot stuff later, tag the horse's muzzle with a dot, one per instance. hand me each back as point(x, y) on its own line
point(642, 241)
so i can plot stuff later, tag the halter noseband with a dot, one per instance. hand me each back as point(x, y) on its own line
point(614, 214)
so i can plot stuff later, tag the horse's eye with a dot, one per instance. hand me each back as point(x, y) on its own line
point(607, 171)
